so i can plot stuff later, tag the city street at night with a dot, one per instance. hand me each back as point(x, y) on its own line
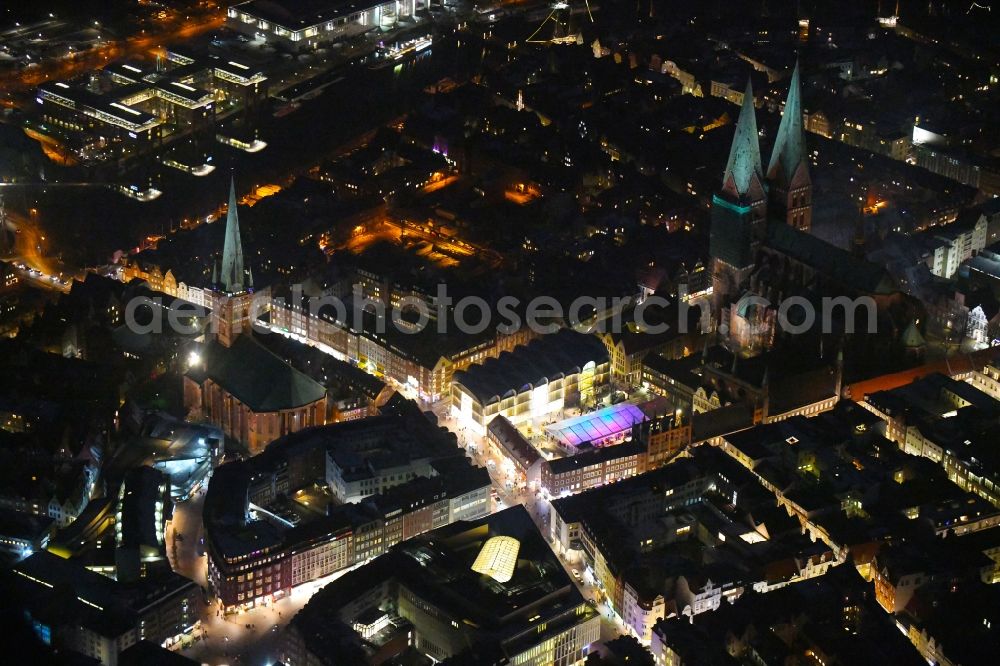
point(535, 333)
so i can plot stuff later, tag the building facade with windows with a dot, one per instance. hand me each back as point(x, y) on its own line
point(298, 25)
point(260, 546)
point(550, 373)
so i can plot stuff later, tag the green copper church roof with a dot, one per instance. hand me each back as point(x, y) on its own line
point(744, 155)
point(232, 250)
point(790, 144)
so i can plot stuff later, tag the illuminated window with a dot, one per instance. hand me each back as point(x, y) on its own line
point(498, 558)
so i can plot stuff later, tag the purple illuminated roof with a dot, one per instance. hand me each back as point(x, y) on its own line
point(603, 423)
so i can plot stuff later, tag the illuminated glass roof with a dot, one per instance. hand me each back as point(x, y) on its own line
point(603, 423)
point(498, 558)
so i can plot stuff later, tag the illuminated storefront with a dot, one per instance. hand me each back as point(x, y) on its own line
point(549, 374)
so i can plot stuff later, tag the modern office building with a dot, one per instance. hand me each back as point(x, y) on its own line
point(81, 110)
point(72, 608)
point(144, 507)
point(129, 107)
point(185, 452)
point(488, 591)
point(310, 24)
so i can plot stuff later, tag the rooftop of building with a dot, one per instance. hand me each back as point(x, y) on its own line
point(681, 370)
point(398, 436)
point(832, 262)
point(927, 395)
point(452, 480)
point(18, 525)
point(102, 104)
point(161, 438)
point(425, 346)
point(721, 421)
point(635, 339)
point(254, 376)
point(596, 456)
point(144, 488)
point(146, 653)
point(684, 470)
point(437, 567)
point(340, 377)
point(542, 360)
point(58, 589)
point(513, 442)
point(606, 422)
point(303, 13)
point(830, 428)
point(817, 610)
point(380, 442)
point(961, 617)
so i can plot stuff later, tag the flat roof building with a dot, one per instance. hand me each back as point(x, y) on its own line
point(307, 24)
point(131, 107)
point(488, 591)
point(144, 506)
point(72, 608)
point(22, 534)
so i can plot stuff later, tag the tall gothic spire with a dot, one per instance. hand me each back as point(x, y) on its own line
point(790, 144)
point(744, 176)
point(232, 250)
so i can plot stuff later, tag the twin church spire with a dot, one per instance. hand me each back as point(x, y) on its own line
point(786, 191)
point(789, 153)
point(744, 178)
point(750, 202)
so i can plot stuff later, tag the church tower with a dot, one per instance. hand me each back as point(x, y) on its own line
point(233, 274)
point(232, 289)
point(739, 210)
point(788, 171)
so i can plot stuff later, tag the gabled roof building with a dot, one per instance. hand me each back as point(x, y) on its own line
point(231, 380)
